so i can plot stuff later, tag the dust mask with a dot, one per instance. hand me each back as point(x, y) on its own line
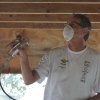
point(68, 32)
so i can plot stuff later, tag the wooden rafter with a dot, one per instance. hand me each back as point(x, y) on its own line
point(41, 14)
point(43, 17)
point(49, 1)
point(42, 25)
point(50, 7)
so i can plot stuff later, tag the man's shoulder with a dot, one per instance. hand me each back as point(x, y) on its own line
point(59, 49)
point(93, 51)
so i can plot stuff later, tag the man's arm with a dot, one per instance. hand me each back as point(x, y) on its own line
point(29, 76)
point(97, 97)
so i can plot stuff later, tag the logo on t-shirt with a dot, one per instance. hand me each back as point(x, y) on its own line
point(85, 71)
point(63, 62)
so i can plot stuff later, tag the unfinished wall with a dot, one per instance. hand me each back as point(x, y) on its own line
point(40, 42)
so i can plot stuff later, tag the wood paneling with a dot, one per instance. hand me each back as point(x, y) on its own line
point(49, 1)
point(42, 22)
point(41, 41)
point(50, 7)
point(45, 14)
point(38, 25)
point(44, 17)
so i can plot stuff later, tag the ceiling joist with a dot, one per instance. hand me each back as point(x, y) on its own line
point(49, 0)
point(49, 8)
point(45, 14)
point(43, 17)
point(45, 25)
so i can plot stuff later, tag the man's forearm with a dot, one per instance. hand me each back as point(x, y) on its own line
point(25, 68)
point(96, 97)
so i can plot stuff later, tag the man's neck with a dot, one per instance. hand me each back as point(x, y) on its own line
point(77, 45)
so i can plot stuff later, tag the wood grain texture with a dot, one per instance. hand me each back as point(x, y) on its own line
point(50, 7)
point(45, 14)
point(43, 17)
point(41, 41)
point(40, 25)
point(49, 1)
point(42, 22)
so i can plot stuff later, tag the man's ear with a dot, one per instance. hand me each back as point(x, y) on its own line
point(86, 30)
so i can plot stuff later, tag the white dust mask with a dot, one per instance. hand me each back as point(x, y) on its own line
point(68, 32)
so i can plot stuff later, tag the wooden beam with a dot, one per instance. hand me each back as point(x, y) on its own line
point(37, 17)
point(31, 25)
point(40, 20)
point(49, 8)
point(43, 17)
point(41, 25)
point(49, 1)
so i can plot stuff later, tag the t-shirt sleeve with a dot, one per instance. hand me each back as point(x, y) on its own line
point(43, 67)
point(97, 80)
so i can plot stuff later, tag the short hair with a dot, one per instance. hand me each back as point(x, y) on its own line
point(85, 22)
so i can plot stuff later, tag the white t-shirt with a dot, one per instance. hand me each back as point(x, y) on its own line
point(71, 75)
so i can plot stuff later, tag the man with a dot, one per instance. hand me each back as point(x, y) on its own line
point(73, 71)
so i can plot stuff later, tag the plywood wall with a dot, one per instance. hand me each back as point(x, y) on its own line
point(40, 42)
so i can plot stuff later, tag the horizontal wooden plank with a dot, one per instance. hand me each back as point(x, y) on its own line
point(49, 1)
point(42, 25)
point(31, 25)
point(49, 8)
point(37, 17)
point(44, 17)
